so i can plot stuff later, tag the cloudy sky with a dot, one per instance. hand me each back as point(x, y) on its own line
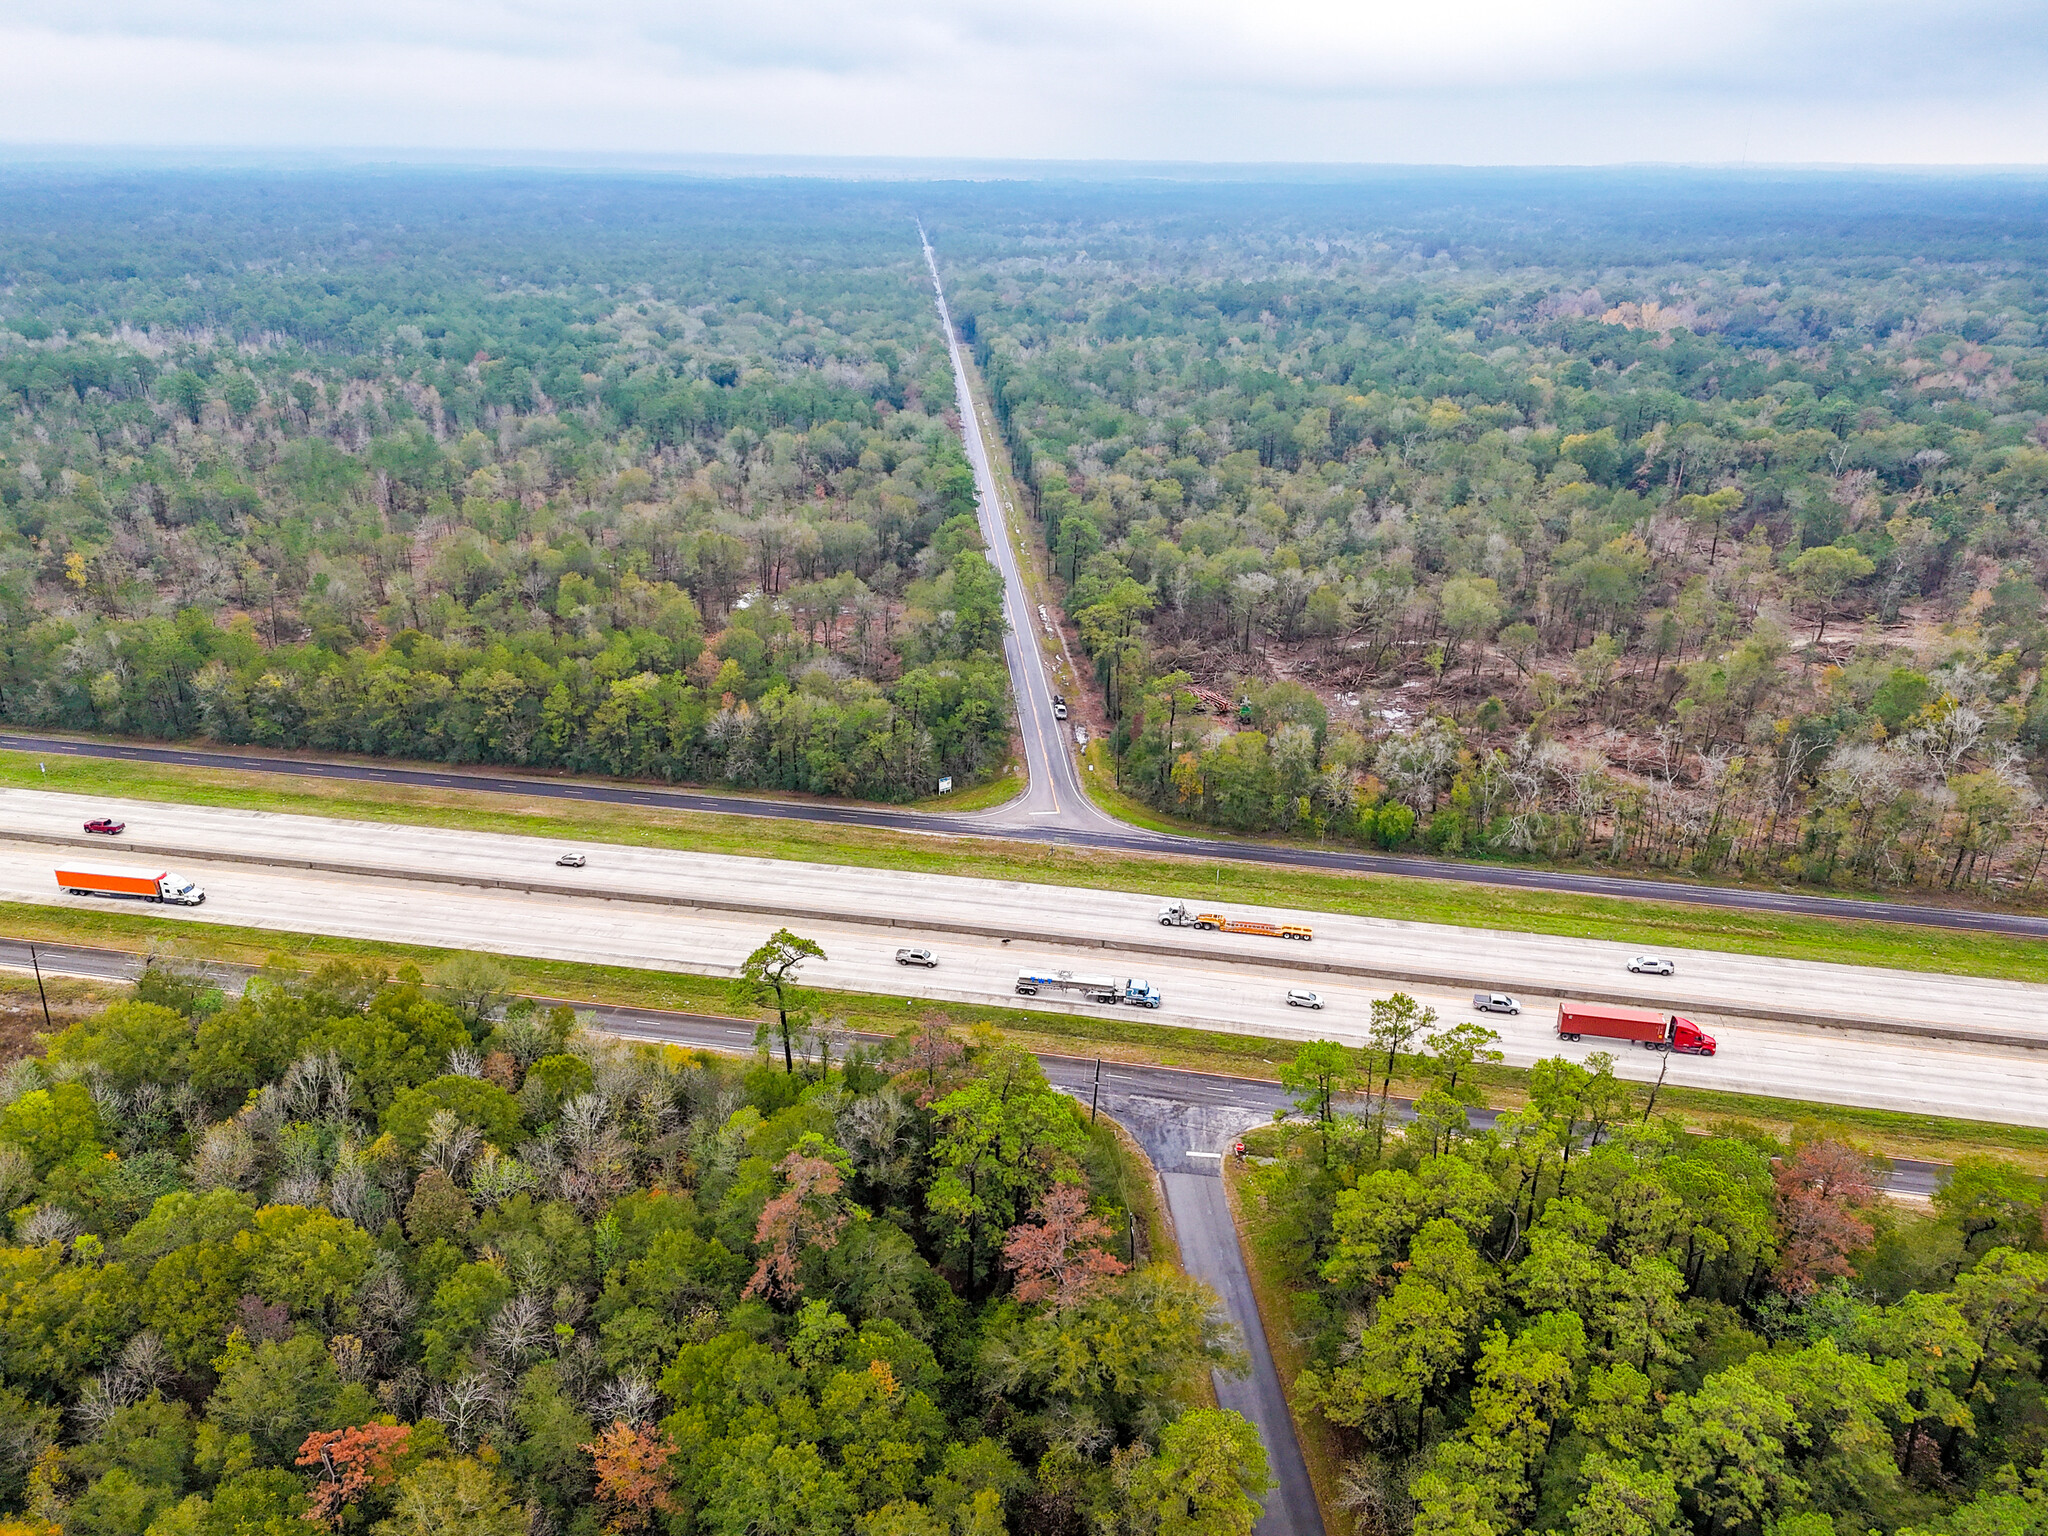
point(1471, 81)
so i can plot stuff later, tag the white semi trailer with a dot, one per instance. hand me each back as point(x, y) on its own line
point(1095, 989)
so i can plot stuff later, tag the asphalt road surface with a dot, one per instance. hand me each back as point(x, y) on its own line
point(1185, 1121)
point(1053, 797)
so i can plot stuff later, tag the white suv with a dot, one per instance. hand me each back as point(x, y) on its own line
point(1301, 997)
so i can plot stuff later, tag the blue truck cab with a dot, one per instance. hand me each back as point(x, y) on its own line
point(1141, 994)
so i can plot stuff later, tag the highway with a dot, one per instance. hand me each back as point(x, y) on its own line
point(1890, 1039)
point(674, 910)
point(667, 910)
point(1450, 959)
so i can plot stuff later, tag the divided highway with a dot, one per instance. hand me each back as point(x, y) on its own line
point(1905, 1040)
point(666, 909)
point(1901, 1040)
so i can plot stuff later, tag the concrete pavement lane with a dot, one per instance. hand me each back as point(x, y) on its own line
point(1447, 960)
point(1220, 991)
point(1127, 840)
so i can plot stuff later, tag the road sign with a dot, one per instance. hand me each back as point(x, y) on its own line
point(945, 786)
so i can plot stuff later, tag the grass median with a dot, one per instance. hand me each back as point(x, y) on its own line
point(1112, 1034)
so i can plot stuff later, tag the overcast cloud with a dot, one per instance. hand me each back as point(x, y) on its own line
point(1474, 81)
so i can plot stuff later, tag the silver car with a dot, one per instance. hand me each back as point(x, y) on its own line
point(1652, 965)
point(1301, 997)
point(570, 861)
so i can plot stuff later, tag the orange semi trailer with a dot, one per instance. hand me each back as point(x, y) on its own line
point(1644, 1026)
point(140, 884)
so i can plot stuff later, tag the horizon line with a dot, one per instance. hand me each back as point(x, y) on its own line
point(15, 156)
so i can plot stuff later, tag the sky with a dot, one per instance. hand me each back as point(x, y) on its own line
point(1492, 82)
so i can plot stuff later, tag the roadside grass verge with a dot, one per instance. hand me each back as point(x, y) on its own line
point(1652, 924)
point(1137, 1185)
point(1114, 1035)
point(1103, 790)
point(1000, 790)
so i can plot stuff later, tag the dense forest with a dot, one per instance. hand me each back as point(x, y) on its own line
point(385, 1254)
point(622, 478)
point(1687, 520)
point(1588, 1321)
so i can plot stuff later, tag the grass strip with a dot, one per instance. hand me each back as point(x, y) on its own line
point(1651, 924)
point(1000, 790)
point(1115, 1035)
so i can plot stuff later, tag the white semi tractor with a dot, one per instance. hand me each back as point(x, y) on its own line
point(1095, 989)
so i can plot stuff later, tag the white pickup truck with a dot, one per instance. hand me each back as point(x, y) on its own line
point(1495, 1002)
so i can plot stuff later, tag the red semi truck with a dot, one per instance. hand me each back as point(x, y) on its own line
point(162, 886)
point(1644, 1026)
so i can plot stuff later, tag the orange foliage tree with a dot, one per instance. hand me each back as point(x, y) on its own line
point(632, 1473)
point(809, 1210)
point(1822, 1193)
point(352, 1462)
point(1056, 1259)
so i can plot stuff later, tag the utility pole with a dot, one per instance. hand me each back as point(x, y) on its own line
point(32, 960)
point(1096, 1097)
